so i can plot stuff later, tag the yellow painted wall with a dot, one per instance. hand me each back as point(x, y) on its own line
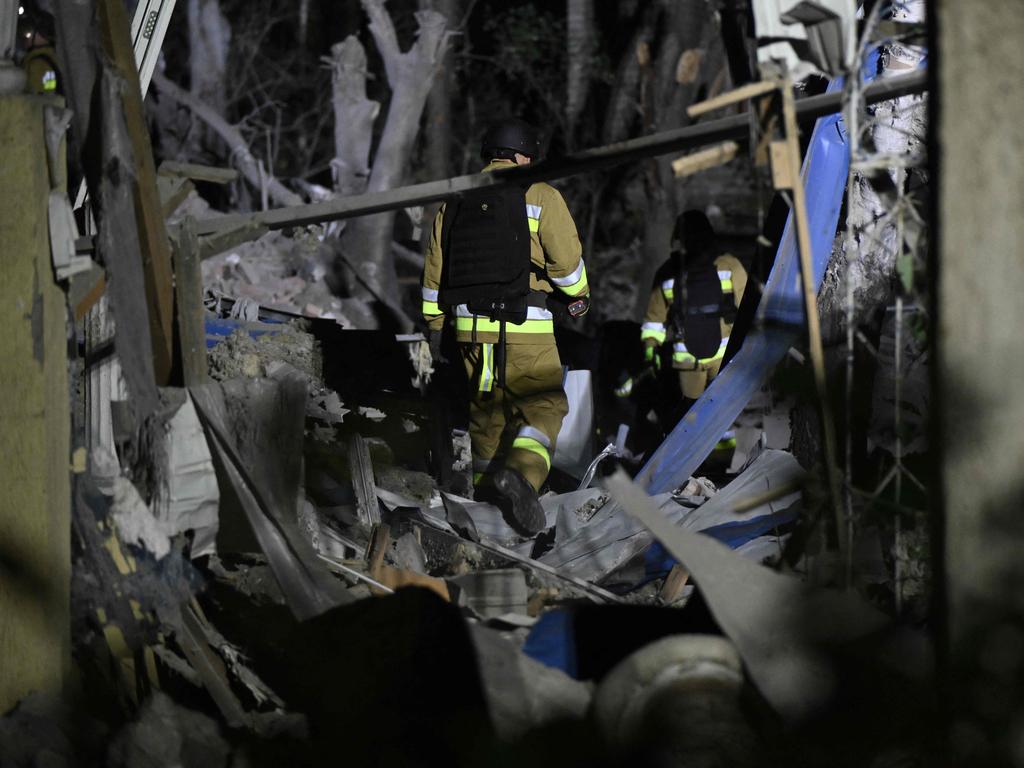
point(34, 419)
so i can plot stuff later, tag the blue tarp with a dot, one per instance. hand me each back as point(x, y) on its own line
point(779, 324)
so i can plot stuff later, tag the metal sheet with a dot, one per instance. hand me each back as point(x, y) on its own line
point(779, 324)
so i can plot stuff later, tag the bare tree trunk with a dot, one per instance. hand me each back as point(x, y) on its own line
point(671, 84)
point(209, 41)
point(580, 44)
point(247, 164)
point(439, 103)
point(367, 240)
point(354, 115)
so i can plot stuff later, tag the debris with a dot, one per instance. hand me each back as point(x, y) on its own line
point(373, 414)
point(493, 593)
point(188, 497)
point(167, 735)
point(782, 627)
point(134, 521)
point(255, 428)
point(240, 354)
point(677, 701)
point(367, 507)
point(523, 694)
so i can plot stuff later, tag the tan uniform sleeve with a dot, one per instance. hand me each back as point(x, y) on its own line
point(432, 276)
point(563, 252)
point(652, 332)
point(739, 276)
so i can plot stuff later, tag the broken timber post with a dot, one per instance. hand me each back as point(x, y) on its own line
point(189, 288)
point(367, 507)
point(116, 41)
point(35, 527)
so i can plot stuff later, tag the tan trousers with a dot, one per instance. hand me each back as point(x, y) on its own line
point(516, 425)
point(694, 381)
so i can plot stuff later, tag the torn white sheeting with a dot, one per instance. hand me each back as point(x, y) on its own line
point(823, 31)
point(770, 470)
point(782, 627)
point(188, 497)
point(574, 447)
point(134, 522)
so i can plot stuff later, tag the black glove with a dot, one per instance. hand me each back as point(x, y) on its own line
point(579, 307)
point(434, 340)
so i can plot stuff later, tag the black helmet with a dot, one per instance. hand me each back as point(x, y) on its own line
point(507, 137)
point(695, 233)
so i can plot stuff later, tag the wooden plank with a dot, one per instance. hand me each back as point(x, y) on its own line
point(705, 159)
point(361, 468)
point(230, 238)
point(115, 37)
point(817, 353)
point(782, 165)
point(189, 286)
point(743, 93)
point(674, 583)
point(198, 172)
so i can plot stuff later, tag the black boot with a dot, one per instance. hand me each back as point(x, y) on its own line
point(518, 501)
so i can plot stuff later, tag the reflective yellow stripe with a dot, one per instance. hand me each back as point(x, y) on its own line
point(669, 294)
point(648, 333)
point(487, 368)
point(534, 225)
point(579, 287)
point(727, 286)
point(726, 444)
point(575, 283)
point(431, 309)
point(484, 325)
point(534, 446)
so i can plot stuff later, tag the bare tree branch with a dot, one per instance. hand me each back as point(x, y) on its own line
point(247, 163)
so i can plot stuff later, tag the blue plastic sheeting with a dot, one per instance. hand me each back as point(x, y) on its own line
point(219, 329)
point(552, 641)
point(658, 562)
point(779, 323)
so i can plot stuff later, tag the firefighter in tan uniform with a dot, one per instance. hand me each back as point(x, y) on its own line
point(663, 323)
point(513, 426)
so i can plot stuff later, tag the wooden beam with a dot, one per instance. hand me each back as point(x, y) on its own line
point(743, 93)
point(115, 37)
point(189, 286)
point(705, 159)
point(810, 295)
point(735, 128)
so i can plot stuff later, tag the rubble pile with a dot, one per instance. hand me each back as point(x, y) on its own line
point(285, 273)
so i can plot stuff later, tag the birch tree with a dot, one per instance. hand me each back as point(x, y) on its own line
point(366, 242)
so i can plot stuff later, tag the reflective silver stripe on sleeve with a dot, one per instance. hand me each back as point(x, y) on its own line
point(429, 294)
point(570, 279)
point(653, 327)
point(533, 211)
point(534, 434)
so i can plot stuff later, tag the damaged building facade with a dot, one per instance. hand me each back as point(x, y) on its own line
point(242, 520)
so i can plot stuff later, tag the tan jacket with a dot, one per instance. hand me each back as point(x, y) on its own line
point(656, 328)
point(555, 251)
